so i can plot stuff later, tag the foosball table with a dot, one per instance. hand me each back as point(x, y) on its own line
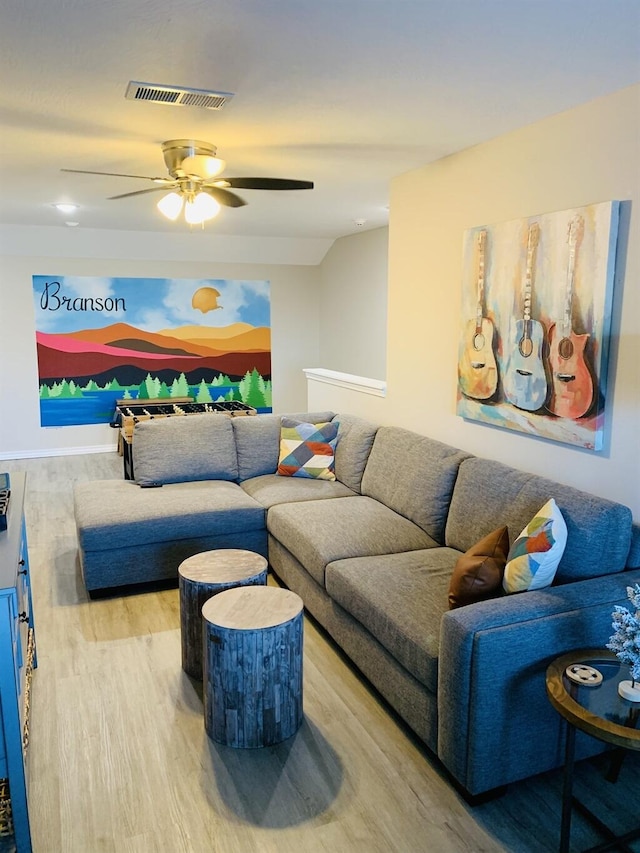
point(130, 412)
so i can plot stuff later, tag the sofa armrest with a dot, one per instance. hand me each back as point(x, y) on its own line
point(633, 560)
point(496, 724)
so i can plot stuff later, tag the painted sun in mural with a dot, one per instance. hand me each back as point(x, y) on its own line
point(205, 299)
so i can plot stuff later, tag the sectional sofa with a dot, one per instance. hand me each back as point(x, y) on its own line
point(372, 555)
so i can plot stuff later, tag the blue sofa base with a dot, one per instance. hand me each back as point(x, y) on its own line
point(118, 568)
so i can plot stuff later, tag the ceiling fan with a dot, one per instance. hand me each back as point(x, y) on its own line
point(193, 183)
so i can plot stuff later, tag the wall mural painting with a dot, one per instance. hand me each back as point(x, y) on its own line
point(103, 339)
point(536, 316)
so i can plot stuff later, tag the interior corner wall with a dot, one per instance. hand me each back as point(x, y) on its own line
point(294, 337)
point(354, 279)
point(585, 155)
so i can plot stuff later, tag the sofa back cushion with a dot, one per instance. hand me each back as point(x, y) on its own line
point(355, 440)
point(258, 441)
point(180, 449)
point(488, 494)
point(413, 475)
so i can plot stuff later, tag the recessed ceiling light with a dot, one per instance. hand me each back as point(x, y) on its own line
point(72, 224)
point(66, 208)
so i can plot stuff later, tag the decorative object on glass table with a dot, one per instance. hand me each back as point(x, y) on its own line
point(625, 642)
point(586, 676)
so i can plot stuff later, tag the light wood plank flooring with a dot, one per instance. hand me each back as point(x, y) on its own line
point(119, 760)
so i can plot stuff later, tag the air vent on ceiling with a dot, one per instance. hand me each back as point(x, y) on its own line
point(156, 93)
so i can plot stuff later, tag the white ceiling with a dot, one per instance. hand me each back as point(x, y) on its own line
point(346, 93)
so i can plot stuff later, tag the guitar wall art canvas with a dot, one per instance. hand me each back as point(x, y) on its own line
point(535, 324)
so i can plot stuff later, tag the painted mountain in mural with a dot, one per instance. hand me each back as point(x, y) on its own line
point(185, 340)
point(127, 354)
point(237, 336)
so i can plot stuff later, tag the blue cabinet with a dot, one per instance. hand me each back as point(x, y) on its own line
point(17, 661)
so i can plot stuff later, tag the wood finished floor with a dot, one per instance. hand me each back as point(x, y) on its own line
point(119, 760)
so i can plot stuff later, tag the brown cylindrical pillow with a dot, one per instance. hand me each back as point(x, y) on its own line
point(478, 573)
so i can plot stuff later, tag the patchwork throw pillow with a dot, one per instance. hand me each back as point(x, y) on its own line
point(536, 553)
point(307, 450)
point(478, 572)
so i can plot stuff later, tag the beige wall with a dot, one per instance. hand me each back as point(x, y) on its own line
point(294, 327)
point(585, 155)
point(353, 305)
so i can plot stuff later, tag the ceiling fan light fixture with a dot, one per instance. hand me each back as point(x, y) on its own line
point(170, 205)
point(203, 165)
point(193, 184)
point(201, 209)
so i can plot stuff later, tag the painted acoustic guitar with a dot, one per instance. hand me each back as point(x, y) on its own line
point(477, 369)
point(525, 378)
point(571, 380)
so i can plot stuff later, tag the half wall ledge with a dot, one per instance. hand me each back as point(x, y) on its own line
point(375, 387)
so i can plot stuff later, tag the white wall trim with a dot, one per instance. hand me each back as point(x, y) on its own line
point(58, 451)
point(375, 387)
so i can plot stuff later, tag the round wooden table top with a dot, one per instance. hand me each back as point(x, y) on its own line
point(599, 711)
point(251, 608)
point(222, 566)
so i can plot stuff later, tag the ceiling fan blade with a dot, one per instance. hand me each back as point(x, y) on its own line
point(268, 184)
point(143, 192)
point(119, 175)
point(224, 197)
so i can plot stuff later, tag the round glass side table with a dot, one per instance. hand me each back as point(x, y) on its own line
point(593, 706)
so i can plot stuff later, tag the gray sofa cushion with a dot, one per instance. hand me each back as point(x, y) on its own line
point(355, 440)
point(413, 475)
point(258, 441)
point(181, 449)
point(319, 532)
point(271, 489)
point(400, 600)
point(488, 494)
point(116, 513)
